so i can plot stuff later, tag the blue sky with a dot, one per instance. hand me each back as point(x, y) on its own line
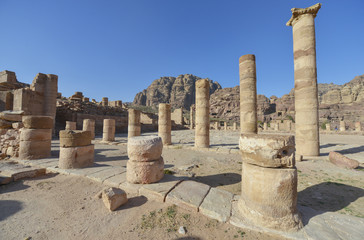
point(116, 48)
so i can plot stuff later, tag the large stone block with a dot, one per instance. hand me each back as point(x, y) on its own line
point(38, 122)
point(342, 161)
point(268, 150)
point(14, 116)
point(76, 157)
point(145, 172)
point(74, 138)
point(35, 134)
point(34, 149)
point(145, 148)
point(113, 198)
point(269, 197)
point(70, 125)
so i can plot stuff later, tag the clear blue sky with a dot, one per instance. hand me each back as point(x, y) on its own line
point(116, 48)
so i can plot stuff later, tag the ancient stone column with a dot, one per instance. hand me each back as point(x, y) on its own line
point(276, 126)
point(305, 77)
point(269, 181)
point(89, 125)
point(342, 126)
point(216, 125)
point(202, 133)
point(225, 126)
point(164, 123)
point(134, 127)
point(76, 150)
point(265, 126)
point(328, 127)
point(145, 164)
point(357, 126)
point(192, 116)
point(289, 126)
point(36, 137)
point(108, 133)
point(70, 125)
point(234, 126)
point(248, 94)
point(105, 101)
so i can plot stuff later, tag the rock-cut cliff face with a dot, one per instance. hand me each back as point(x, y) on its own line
point(178, 91)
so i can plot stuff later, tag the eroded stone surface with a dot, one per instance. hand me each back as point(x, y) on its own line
point(38, 122)
point(145, 172)
point(74, 138)
point(76, 157)
point(113, 198)
point(145, 148)
point(342, 161)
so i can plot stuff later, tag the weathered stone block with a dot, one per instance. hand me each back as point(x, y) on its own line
point(342, 161)
point(74, 138)
point(76, 157)
point(144, 172)
point(113, 198)
point(70, 125)
point(38, 122)
point(35, 134)
point(144, 148)
point(268, 150)
point(13, 116)
point(34, 149)
point(4, 124)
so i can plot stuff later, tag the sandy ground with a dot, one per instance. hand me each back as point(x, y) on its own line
point(64, 207)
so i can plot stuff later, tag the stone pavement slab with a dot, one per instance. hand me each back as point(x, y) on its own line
point(88, 170)
point(130, 188)
point(217, 204)
point(188, 195)
point(19, 172)
point(158, 191)
point(116, 180)
point(109, 172)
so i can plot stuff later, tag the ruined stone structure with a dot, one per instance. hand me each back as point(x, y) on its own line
point(76, 150)
point(145, 164)
point(225, 126)
point(342, 126)
point(234, 126)
point(177, 116)
point(305, 75)
point(216, 125)
point(248, 94)
point(192, 116)
point(108, 134)
point(89, 125)
point(70, 125)
point(105, 101)
point(134, 123)
point(164, 123)
point(36, 137)
point(328, 127)
point(202, 133)
point(357, 126)
point(269, 181)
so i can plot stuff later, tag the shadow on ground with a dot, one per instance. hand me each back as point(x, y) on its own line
point(328, 197)
point(221, 179)
point(134, 202)
point(8, 208)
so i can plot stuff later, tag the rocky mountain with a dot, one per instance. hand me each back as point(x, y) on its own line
point(178, 91)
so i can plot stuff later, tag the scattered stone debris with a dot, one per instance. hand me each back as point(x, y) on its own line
point(113, 198)
point(182, 230)
point(342, 161)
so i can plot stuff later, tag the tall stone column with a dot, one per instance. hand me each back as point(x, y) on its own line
point(134, 127)
point(192, 116)
point(225, 126)
point(342, 126)
point(164, 123)
point(265, 126)
point(357, 126)
point(202, 133)
point(328, 127)
point(305, 77)
point(89, 125)
point(108, 133)
point(234, 126)
point(216, 125)
point(248, 94)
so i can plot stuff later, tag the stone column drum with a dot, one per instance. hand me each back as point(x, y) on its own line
point(305, 77)
point(70, 125)
point(108, 133)
point(134, 127)
point(342, 126)
point(145, 164)
point(357, 126)
point(217, 125)
point(269, 181)
point(202, 133)
point(36, 137)
point(76, 150)
point(276, 126)
point(265, 126)
point(234, 126)
point(328, 127)
point(89, 125)
point(248, 94)
point(105, 101)
point(164, 123)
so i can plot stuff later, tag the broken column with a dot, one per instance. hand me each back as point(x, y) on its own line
point(342, 126)
point(248, 94)
point(357, 126)
point(202, 133)
point(108, 133)
point(192, 116)
point(328, 127)
point(36, 137)
point(265, 126)
point(89, 125)
point(164, 123)
point(234, 126)
point(225, 126)
point(76, 150)
point(269, 181)
point(105, 101)
point(276, 126)
point(145, 164)
point(305, 77)
point(217, 125)
point(134, 127)
point(70, 125)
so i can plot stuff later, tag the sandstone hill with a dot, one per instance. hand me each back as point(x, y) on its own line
point(178, 91)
